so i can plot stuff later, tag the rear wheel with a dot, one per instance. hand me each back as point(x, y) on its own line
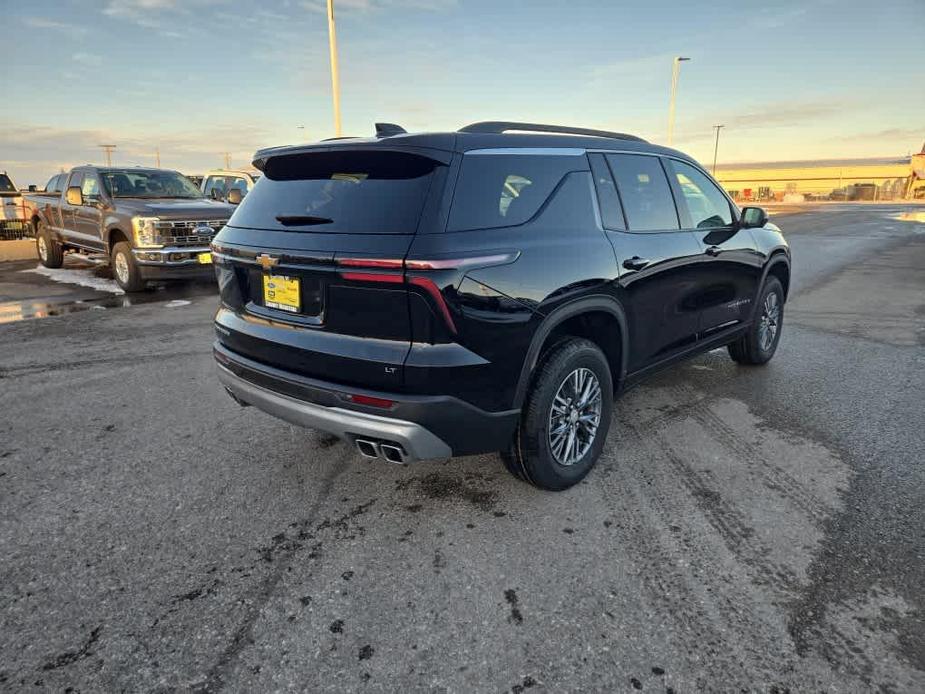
point(565, 418)
point(758, 345)
point(125, 269)
point(50, 252)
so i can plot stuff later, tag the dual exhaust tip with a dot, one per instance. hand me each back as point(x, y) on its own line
point(381, 449)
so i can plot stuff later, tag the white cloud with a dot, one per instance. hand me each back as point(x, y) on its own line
point(352, 6)
point(51, 25)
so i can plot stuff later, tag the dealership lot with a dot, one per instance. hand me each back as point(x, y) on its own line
point(745, 528)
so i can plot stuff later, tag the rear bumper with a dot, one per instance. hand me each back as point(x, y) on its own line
point(424, 426)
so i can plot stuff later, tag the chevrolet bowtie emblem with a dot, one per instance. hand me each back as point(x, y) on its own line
point(267, 261)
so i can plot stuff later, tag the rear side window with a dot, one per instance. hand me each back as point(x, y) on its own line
point(644, 191)
point(502, 190)
point(705, 202)
point(350, 192)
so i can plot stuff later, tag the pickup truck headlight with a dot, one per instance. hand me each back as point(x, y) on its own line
point(145, 231)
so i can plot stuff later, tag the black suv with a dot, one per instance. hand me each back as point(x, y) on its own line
point(491, 289)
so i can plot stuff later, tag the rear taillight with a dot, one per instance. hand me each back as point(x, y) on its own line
point(359, 274)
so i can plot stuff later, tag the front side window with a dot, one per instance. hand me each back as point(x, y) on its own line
point(501, 190)
point(6, 185)
point(90, 188)
point(706, 204)
point(644, 192)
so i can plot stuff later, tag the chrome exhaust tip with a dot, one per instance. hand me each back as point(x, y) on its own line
point(392, 453)
point(367, 449)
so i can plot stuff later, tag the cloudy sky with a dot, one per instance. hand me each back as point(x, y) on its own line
point(197, 78)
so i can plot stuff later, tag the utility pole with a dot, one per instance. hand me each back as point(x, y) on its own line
point(108, 149)
point(335, 80)
point(675, 75)
point(157, 157)
point(716, 146)
point(227, 160)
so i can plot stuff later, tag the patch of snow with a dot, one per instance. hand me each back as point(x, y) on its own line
point(79, 277)
point(176, 303)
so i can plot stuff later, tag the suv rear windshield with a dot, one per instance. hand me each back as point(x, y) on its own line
point(348, 192)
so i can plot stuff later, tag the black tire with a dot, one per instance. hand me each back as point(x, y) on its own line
point(125, 269)
point(50, 252)
point(753, 348)
point(530, 456)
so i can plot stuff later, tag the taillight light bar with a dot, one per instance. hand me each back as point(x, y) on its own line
point(419, 265)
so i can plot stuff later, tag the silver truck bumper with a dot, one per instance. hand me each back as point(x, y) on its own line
point(171, 256)
point(417, 442)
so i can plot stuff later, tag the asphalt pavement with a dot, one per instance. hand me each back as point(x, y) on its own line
point(747, 529)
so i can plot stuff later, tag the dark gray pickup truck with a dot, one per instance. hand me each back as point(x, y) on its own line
point(151, 224)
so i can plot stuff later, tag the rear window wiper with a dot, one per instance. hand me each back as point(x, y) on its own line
point(301, 219)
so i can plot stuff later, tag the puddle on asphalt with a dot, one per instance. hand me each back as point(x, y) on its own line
point(912, 216)
point(173, 297)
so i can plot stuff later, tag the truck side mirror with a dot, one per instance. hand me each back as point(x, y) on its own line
point(234, 196)
point(74, 196)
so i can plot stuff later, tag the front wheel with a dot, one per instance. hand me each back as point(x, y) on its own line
point(565, 418)
point(758, 345)
point(125, 269)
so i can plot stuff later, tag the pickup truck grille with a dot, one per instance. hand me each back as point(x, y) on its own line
point(174, 232)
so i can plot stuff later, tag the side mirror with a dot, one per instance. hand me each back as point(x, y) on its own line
point(74, 196)
point(753, 217)
point(33, 188)
point(234, 196)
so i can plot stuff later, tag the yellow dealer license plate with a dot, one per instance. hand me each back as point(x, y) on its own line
point(281, 292)
point(204, 258)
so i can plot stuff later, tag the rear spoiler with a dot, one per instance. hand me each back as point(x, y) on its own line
point(261, 157)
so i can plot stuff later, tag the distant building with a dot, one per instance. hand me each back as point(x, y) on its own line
point(831, 179)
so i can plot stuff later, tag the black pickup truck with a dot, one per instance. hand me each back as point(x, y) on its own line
point(152, 224)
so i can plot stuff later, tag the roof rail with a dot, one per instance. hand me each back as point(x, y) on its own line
point(389, 129)
point(498, 127)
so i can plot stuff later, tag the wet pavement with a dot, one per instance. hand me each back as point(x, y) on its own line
point(745, 530)
point(28, 290)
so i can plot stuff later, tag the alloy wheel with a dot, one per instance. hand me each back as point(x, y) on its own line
point(575, 416)
point(769, 323)
point(121, 268)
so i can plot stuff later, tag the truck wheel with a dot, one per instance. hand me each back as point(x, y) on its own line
point(758, 345)
point(50, 252)
point(565, 418)
point(125, 269)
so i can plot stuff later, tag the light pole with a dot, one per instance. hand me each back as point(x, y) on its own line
point(716, 146)
point(335, 80)
point(675, 74)
point(108, 149)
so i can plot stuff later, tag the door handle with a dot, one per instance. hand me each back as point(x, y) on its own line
point(713, 251)
point(635, 263)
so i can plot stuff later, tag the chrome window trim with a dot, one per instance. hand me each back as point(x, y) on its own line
point(531, 151)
